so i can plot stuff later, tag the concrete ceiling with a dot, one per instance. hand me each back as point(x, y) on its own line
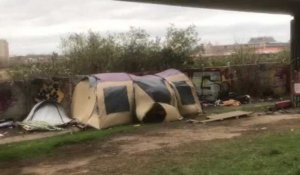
point(268, 6)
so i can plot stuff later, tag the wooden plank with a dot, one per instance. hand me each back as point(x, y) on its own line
point(228, 115)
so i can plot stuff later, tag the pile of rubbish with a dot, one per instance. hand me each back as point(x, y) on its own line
point(231, 99)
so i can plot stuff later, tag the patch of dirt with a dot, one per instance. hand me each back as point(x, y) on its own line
point(52, 169)
point(171, 138)
point(113, 154)
point(175, 137)
point(19, 136)
point(268, 119)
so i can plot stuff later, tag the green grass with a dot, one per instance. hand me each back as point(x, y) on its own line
point(253, 107)
point(267, 154)
point(37, 148)
point(41, 147)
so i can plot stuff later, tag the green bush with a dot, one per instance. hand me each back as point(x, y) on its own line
point(135, 51)
point(242, 56)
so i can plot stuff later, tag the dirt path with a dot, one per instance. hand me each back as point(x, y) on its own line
point(114, 153)
point(34, 136)
point(175, 137)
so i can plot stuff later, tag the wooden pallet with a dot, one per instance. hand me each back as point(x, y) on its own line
point(224, 116)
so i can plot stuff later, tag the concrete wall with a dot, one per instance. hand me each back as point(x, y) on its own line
point(265, 80)
point(4, 53)
point(17, 98)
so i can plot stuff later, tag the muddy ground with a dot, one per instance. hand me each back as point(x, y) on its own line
point(131, 153)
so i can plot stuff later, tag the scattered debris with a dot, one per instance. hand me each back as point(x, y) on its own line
point(81, 126)
point(243, 99)
point(263, 128)
point(283, 104)
point(206, 104)
point(6, 124)
point(38, 125)
point(192, 121)
point(3, 134)
point(218, 103)
point(280, 107)
point(231, 102)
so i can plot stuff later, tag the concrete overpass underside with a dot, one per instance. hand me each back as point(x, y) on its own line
point(291, 7)
point(270, 6)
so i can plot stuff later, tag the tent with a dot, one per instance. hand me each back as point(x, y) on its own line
point(111, 99)
point(104, 100)
point(48, 112)
point(188, 102)
point(155, 100)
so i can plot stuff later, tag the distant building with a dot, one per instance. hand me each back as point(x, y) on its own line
point(32, 58)
point(259, 45)
point(4, 52)
point(262, 40)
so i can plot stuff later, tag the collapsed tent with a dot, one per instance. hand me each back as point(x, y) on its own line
point(155, 100)
point(104, 100)
point(47, 112)
point(188, 102)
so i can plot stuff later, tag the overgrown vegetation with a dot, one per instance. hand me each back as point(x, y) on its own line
point(132, 51)
point(243, 56)
point(135, 51)
point(52, 68)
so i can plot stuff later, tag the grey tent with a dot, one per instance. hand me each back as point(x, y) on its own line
point(48, 112)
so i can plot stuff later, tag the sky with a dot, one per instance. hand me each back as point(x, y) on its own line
point(37, 26)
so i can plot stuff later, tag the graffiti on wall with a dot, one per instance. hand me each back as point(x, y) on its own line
point(16, 99)
point(6, 99)
point(208, 84)
point(256, 80)
point(51, 91)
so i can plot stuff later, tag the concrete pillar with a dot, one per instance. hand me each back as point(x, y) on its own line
point(4, 53)
point(295, 57)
